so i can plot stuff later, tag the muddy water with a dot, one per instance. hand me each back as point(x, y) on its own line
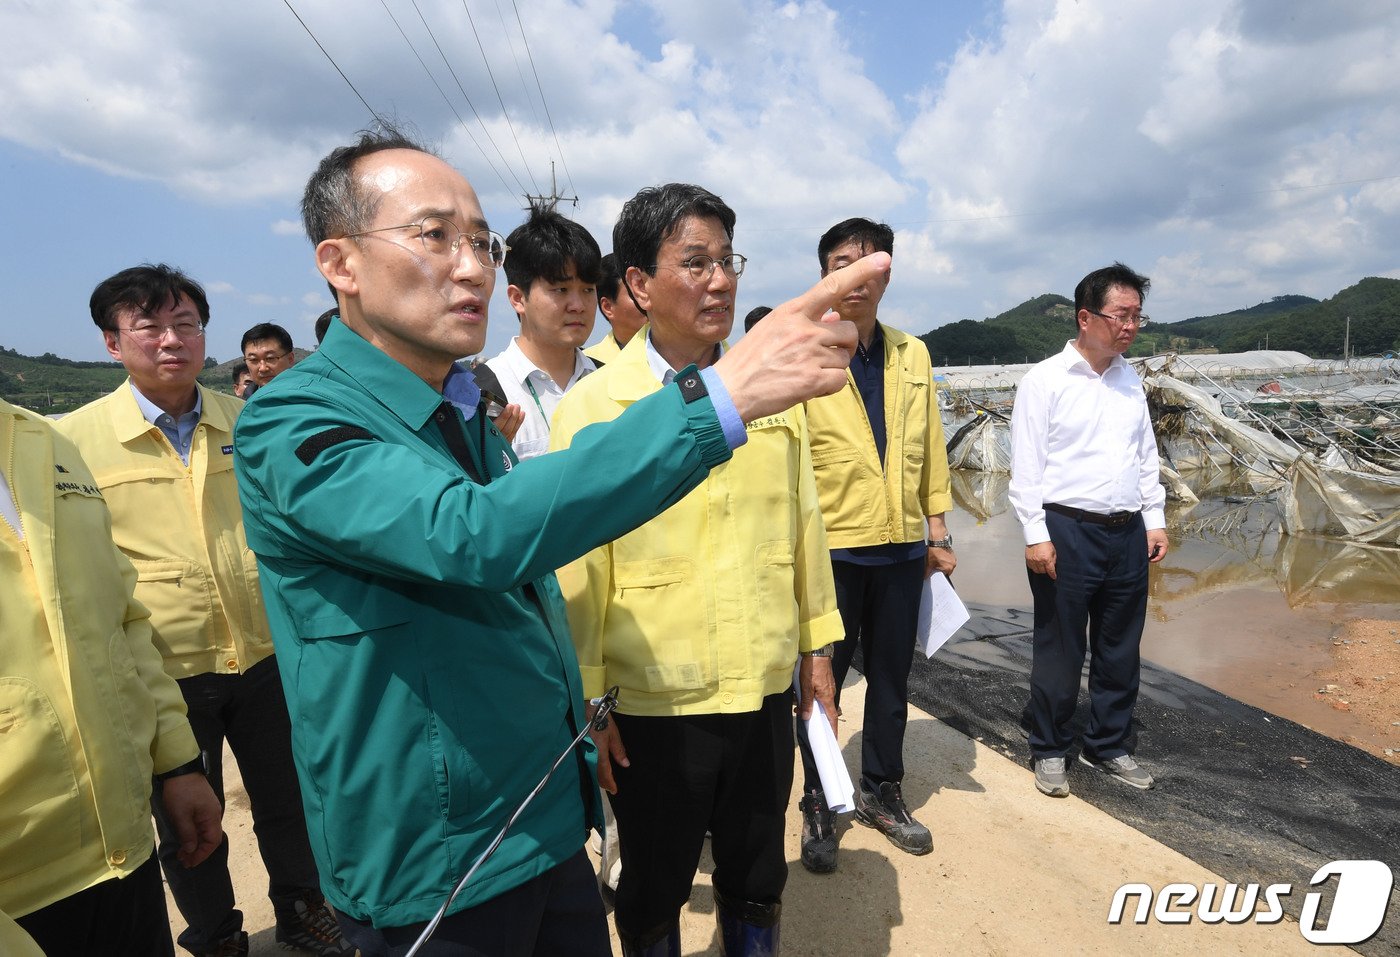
point(1234, 605)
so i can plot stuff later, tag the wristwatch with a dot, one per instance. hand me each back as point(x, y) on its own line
point(823, 652)
point(200, 764)
point(941, 542)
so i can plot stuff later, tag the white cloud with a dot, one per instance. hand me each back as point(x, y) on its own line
point(286, 227)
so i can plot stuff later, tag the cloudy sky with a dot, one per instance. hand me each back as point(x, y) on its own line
point(1234, 151)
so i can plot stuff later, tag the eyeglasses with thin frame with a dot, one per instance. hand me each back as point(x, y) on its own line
point(701, 268)
point(266, 360)
point(1138, 321)
point(441, 237)
point(153, 332)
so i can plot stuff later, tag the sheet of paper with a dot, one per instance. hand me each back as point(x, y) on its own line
point(826, 752)
point(941, 613)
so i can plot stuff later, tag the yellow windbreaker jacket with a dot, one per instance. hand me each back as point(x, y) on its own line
point(863, 503)
point(86, 711)
point(182, 527)
point(704, 608)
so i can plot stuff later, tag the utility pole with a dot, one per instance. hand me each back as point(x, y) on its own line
point(553, 199)
point(1346, 345)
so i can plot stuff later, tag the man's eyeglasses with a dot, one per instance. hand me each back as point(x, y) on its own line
point(266, 360)
point(1121, 320)
point(151, 332)
point(702, 268)
point(441, 237)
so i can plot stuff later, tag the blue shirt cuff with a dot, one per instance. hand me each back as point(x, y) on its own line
point(734, 433)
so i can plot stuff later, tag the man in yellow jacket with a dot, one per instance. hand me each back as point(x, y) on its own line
point(882, 474)
point(87, 716)
point(161, 448)
point(700, 615)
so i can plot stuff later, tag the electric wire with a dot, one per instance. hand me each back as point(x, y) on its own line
point(519, 70)
point(456, 79)
point(372, 111)
point(450, 106)
point(486, 62)
point(524, 39)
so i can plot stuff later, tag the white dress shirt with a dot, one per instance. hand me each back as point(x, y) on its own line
point(1082, 440)
point(8, 508)
point(531, 388)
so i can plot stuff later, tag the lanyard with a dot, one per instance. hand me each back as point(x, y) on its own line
point(536, 396)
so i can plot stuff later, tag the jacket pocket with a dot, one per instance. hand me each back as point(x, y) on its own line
point(177, 593)
point(39, 819)
point(649, 641)
point(775, 625)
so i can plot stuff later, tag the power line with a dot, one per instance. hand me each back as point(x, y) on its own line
point(567, 175)
point(504, 112)
point(372, 112)
point(519, 70)
point(456, 79)
point(445, 99)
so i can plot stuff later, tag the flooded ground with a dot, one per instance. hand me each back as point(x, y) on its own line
point(1300, 627)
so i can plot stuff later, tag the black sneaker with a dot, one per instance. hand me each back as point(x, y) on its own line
point(312, 926)
point(819, 840)
point(887, 814)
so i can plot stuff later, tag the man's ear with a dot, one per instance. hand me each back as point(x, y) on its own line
point(337, 261)
point(637, 280)
point(113, 342)
point(516, 297)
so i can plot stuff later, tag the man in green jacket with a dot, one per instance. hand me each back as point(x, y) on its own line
point(406, 561)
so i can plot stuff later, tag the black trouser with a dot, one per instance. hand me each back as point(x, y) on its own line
point(730, 774)
point(1099, 595)
point(249, 710)
point(558, 914)
point(117, 918)
point(879, 607)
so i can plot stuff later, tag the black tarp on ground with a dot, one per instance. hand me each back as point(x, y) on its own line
point(1251, 796)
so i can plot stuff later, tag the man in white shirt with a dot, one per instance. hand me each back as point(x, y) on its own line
point(553, 270)
point(1085, 487)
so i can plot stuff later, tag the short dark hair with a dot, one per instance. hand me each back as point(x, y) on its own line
point(755, 314)
point(650, 218)
point(333, 203)
point(267, 330)
point(240, 369)
point(868, 234)
point(1093, 288)
point(144, 288)
point(609, 277)
point(545, 244)
point(323, 323)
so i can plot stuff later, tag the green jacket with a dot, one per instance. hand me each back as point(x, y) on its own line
point(422, 638)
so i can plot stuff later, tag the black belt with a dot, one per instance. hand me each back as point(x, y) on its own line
point(1112, 519)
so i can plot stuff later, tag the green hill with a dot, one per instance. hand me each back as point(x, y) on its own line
point(1039, 327)
point(52, 385)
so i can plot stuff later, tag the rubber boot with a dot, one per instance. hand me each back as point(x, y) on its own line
point(663, 941)
point(747, 929)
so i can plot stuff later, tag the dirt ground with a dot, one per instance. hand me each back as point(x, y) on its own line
point(1012, 872)
point(1364, 681)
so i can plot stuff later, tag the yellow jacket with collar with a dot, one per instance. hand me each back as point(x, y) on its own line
point(862, 502)
point(704, 608)
point(605, 350)
point(182, 527)
point(86, 711)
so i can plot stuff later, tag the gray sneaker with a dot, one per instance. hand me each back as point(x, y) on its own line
point(1051, 777)
point(1124, 768)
